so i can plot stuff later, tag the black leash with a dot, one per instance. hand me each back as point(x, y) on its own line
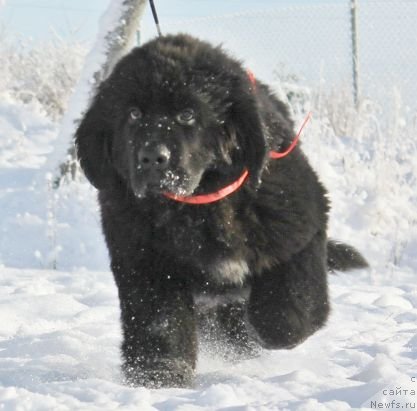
point(155, 17)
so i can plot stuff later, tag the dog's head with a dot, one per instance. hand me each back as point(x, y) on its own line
point(176, 115)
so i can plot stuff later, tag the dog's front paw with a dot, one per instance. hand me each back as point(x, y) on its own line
point(158, 374)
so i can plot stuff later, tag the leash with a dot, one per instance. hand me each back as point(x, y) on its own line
point(155, 17)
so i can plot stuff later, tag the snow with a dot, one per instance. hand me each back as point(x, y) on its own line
point(60, 336)
point(59, 314)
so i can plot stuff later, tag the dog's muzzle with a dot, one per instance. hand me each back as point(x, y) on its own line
point(154, 158)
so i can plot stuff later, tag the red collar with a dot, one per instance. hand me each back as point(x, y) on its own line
point(231, 188)
point(211, 197)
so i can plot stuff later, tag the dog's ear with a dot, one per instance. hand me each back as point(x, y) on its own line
point(93, 141)
point(250, 136)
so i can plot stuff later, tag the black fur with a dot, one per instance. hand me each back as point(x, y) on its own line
point(262, 251)
point(343, 257)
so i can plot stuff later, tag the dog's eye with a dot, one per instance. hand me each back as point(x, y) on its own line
point(134, 114)
point(186, 117)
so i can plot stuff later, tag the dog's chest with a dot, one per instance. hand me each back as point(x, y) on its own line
point(195, 232)
point(215, 246)
point(229, 271)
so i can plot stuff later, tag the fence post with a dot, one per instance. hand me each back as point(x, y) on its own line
point(355, 57)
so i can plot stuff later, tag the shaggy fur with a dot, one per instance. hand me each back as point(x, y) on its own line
point(178, 115)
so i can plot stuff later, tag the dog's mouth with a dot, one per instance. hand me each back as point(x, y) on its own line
point(168, 182)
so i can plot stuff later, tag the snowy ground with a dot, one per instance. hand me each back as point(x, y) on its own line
point(59, 329)
point(59, 338)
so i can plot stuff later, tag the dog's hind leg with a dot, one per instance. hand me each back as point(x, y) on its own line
point(289, 302)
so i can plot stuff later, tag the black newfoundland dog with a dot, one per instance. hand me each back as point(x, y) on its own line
point(194, 210)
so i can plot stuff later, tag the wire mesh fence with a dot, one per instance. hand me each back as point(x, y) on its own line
point(313, 43)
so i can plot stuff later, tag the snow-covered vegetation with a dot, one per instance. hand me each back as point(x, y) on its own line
point(59, 330)
point(366, 156)
point(42, 73)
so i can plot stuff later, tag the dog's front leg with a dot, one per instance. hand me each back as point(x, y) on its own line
point(159, 329)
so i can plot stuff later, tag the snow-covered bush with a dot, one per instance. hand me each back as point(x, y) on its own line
point(43, 72)
point(366, 157)
point(376, 156)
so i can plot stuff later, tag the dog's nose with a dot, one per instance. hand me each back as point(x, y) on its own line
point(154, 157)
